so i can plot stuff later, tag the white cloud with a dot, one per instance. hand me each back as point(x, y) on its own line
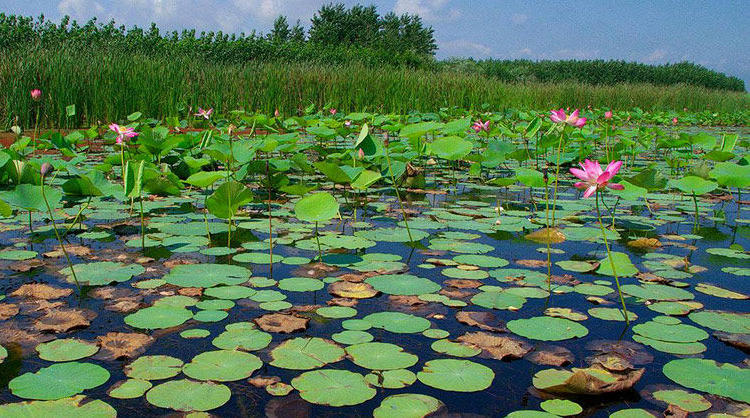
point(429, 10)
point(79, 8)
point(519, 18)
point(465, 48)
point(657, 55)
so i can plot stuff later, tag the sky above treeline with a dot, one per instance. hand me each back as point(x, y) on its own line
point(710, 33)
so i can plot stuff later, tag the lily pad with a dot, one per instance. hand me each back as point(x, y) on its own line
point(333, 387)
point(456, 375)
point(721, 379)
point(306, 353)
point(188, 395)
point(222, 366)
point(546, 328)
point(58, 381)
point(380, 356)
point(407, 405)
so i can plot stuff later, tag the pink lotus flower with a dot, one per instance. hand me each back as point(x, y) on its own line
point(559, 116)
point(333, 111)
point(122, 132)
point(36, 95)
point(360, 154)
point(594, 178)
point(276, 113)
point(480, 126)
point(206, 114)
point(348, 124)
point(674, 121)
point(45, 169)
point(608, 114)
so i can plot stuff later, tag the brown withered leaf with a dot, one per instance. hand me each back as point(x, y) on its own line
point(740, 341)
point(63, 320)
point(190, 291)
point(119, 345)
point(26, 265)
point(405, 300)
point(263, 381)
point(596, 380)
point(290, 406)
point(632, 352)
point(551, 355)
point(41, 291)
point(31, 306)
point(532, 263)
point(8, 310)
point(78, 250)
point(644, 243)
point(546, 235)
point(463, 283)
point(179, 261)
point(456, 293)
point(281, 323)
point(352, 290)
point(499, 347)
point(342, 302)
point(124, 305)
point(314, 270)
point(482, 320)
point(27, 339)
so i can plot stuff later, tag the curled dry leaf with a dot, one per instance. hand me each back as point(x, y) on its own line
point(41, 291)
point(594, 380)
point(551, 355)
point(342, 302)
point(281, 323)
point(63, 320)
point(645, 243)
point(26, 265)
point(740, 341)
point(482, 320)
point(78, 250)
point(633, 353)
point(27, 339)
point(7, 311)
point(463, 283)
point(315, 270)
point(499, 347)
point(406, 300)
point(352, 290)
point(532, 263)
point(263, 381)
point(119, 345)
point(190, 291)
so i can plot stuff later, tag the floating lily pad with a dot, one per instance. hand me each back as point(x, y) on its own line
point(402, 284)
point(129, 389)
point(68, 349)
point(546, 328)
point(103, 273)
point(690, 402)
point(561, 407)
point(723, 321)
point(397, 322)
point(391, 379)
point(242, 339)
point(206, 275)
point(721, 379)
point(158, 317)
point(306, 353)
point(188, 395)
point(407, 405)
point(380, 356)
point(456, 375)
point(333, 387)
point(58, 381)
point(76, 406)
point(222, 366)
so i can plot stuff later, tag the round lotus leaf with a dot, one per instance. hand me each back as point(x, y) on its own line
point(154, 367)
point(195, 333)
point(457, 273)
point(229, 292)
point(149, 283)
point(436, 333)
point(222, 365)
point(76, 406)
point(391, 379)
point(530, 414)
point(356, 324)
point(456, 375)
point(455, 349)
point(215, 304)
point(218, 251)
point(592, 289)
point(301, 284)
point(380, 356)
point(3, 354)
point(18, 255)
point(278, 305)
point(257, 258)
point(58, 381)
point(676, 333)
point(407, 405)
point(103, 273)
point(402, 284)
point(398, 322)
point(709, 376)
point(460, 246)
point(349, 242)
point(206, 275)
point(349, 337)
point(158, 317)
point(333, 387)
point(295, 261)
point(210, 315)
point(336, 312)
point(242, 339)
point(576, 266)
point(690, 402)
point(68, 349)
point(623, 266)
point(738, 323)
point(527, 292)
point(177, 301)
point(675, 308)
point(611, 314)
point(268, 295)
point(316, 207)
point(498, 300)
point(656, 292)
point(129, 389)
point(188, 395)
point(486, 261)
point(547, 328)
point(683, 349)
point(306, 353)
point(392, 234)
point(561, 407)
point(632, 413)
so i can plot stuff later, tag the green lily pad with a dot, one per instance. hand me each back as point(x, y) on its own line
point(306, 353)
point(402, 284)
point(456, 375)
point(222, 366)
point(709, 376)
point(738, 323)
point(68, 349)
point(380, 356)
point(561, 407)
point(242, 339)
point(407, 405)
point(129, 389)
point(158, 317)
point(333, 387)
point(103, 273)
point(301, 284)
point(58, 381)
point(188, 395)
point(547, 328)
point(397, 322)
point(206, 275)
point(455, 349)
point(76, 406)
point(154, 367)
point(690, 402)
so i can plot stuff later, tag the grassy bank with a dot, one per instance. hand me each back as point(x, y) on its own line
point(107, 86)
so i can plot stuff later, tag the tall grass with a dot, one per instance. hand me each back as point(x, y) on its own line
point(108, 85)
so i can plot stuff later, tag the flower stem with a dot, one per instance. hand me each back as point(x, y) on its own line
point(557, 176)
point(611, 260)
point(695, 204)
point(317, 238)
point(395, 187)
point(59, 240)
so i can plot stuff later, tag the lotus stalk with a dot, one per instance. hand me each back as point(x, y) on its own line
point(46, 169)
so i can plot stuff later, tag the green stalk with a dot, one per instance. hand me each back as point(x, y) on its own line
point(695, 204)
point(317, 238)
point(611, 260)
point(57, 235)
point(398, 196)
point(143, 228)
point(557, 176)
point(549, 254)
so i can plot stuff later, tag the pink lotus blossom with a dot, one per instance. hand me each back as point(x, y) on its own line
point(348, 124)
point(559, 116)
point(122, 132)
point(333, 111)
point(36, 95)
point(360, 154)
point(206, 114)
point(674, 121)
point(276, 113)
point(594, 178)
point(480, 126)
point(608, 114)
point(45, 169)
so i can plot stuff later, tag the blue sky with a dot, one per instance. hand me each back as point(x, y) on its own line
point(712, 33)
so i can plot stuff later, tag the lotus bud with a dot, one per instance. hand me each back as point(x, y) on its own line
point(36, 95)
point(46, 169)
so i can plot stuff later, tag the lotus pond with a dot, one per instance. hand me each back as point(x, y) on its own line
point(367, 264)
